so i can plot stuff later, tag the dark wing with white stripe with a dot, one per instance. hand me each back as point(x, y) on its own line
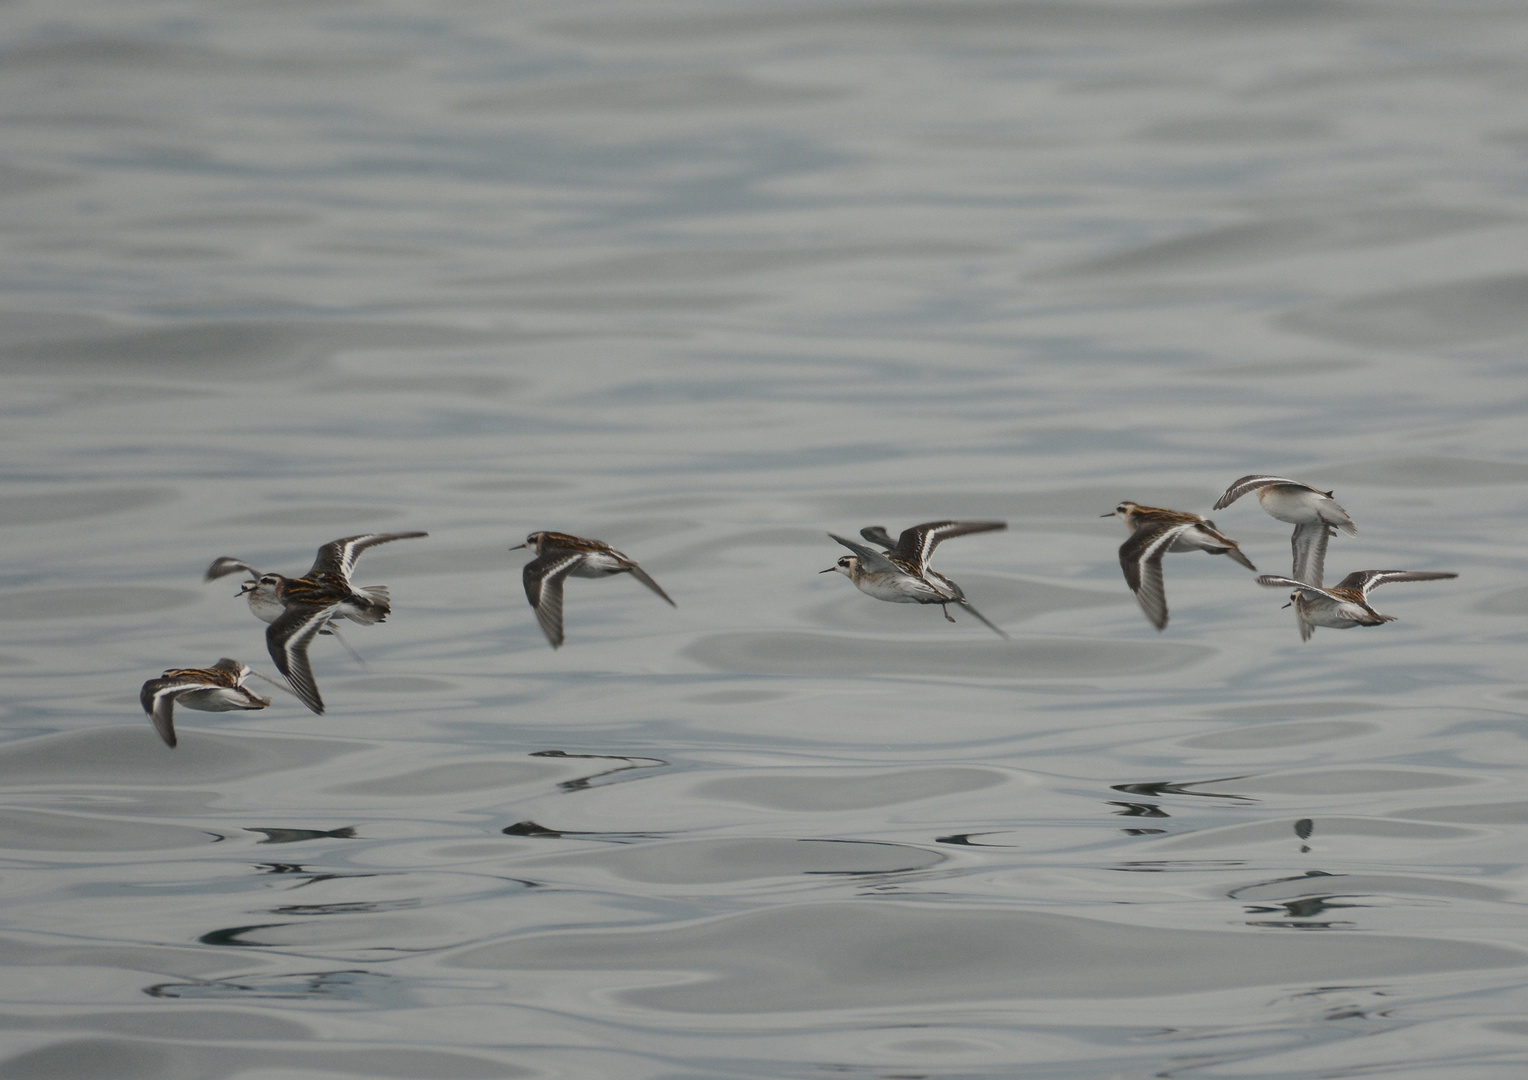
point(1141, 559)
point(1252, 483)
point(878, 535)
point(917, 544)
point(158, 700)
point(288, 638)
point(1364, 580)
point(1278, 581)
point(224, 566)
point(543, 578)
point(870, 558)
point(339, 556)
point(1308, 544)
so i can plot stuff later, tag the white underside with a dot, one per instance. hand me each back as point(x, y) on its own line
point(899, 589)
point(1336, 615)
point(218, 699)
point(1300, 506)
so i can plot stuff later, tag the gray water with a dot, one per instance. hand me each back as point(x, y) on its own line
point(708, 280)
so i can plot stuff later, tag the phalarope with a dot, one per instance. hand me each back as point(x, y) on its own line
point(557, 556)
point(219, 688)
point(1345, 604)
point(298, 608)
point(901, 573)
point(1153, 533)
point(1313, 512)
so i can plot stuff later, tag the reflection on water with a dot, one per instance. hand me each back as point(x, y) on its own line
point(710, 280)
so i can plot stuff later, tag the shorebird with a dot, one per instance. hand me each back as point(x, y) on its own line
point(1345, 604)
point(1153, 533)
point(301, 607)
point(557, 556)
point(901, 573)
point(219, 688)
point(1313, 512)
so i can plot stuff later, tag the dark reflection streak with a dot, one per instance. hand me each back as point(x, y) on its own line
point(217, 838)
point(313, 984)
point(331, 877)
point(965, 839)
point(1143, 832)
point(582, 782)
point(354, 907)
point(294, 836)
point(1135, 809)
point(1306, 907)
point(280, 868)
point(1182, 787)
point(1277, 925)
point(532, 829)
point(1237, 892)
point(230, 936)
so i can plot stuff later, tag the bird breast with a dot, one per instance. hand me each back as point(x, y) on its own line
point(1296, 505)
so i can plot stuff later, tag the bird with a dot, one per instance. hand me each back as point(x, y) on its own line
point(299, 608)
point(561, 554)
point(219, 688)
point(1153, 533)
point(900, 574)
point(1313, 512)
point(1345, 604)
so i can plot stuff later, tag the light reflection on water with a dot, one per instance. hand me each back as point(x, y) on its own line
point(708, 281)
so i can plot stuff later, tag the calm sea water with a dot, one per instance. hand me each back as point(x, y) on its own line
point(708, 280)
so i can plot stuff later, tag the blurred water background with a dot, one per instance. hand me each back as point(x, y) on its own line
point(708, 279)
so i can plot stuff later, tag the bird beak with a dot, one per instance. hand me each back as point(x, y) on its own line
point(829, 570)
point(1109, 514)
point(1290, 604)
point(517, 547)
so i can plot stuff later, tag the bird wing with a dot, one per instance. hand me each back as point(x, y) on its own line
point(1309, 547)
point(1141, 559)
point(1364, 580)
point(878, 535)
point(1277, 581)
point(641, 575)
point(339, 556)
point(543, 577)
point(1252, 483)
point(870, 558)
point(963, 602)
point(288, 638)
point(158, 700)
point(222, 567)
point(917, 544)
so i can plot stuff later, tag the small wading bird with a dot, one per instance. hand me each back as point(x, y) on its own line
point(901, 574)
point(1345, 604)
point(298, 608)
point(219, 688)
point(1313, 512)
point(1153, 533)
point(557, 556)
